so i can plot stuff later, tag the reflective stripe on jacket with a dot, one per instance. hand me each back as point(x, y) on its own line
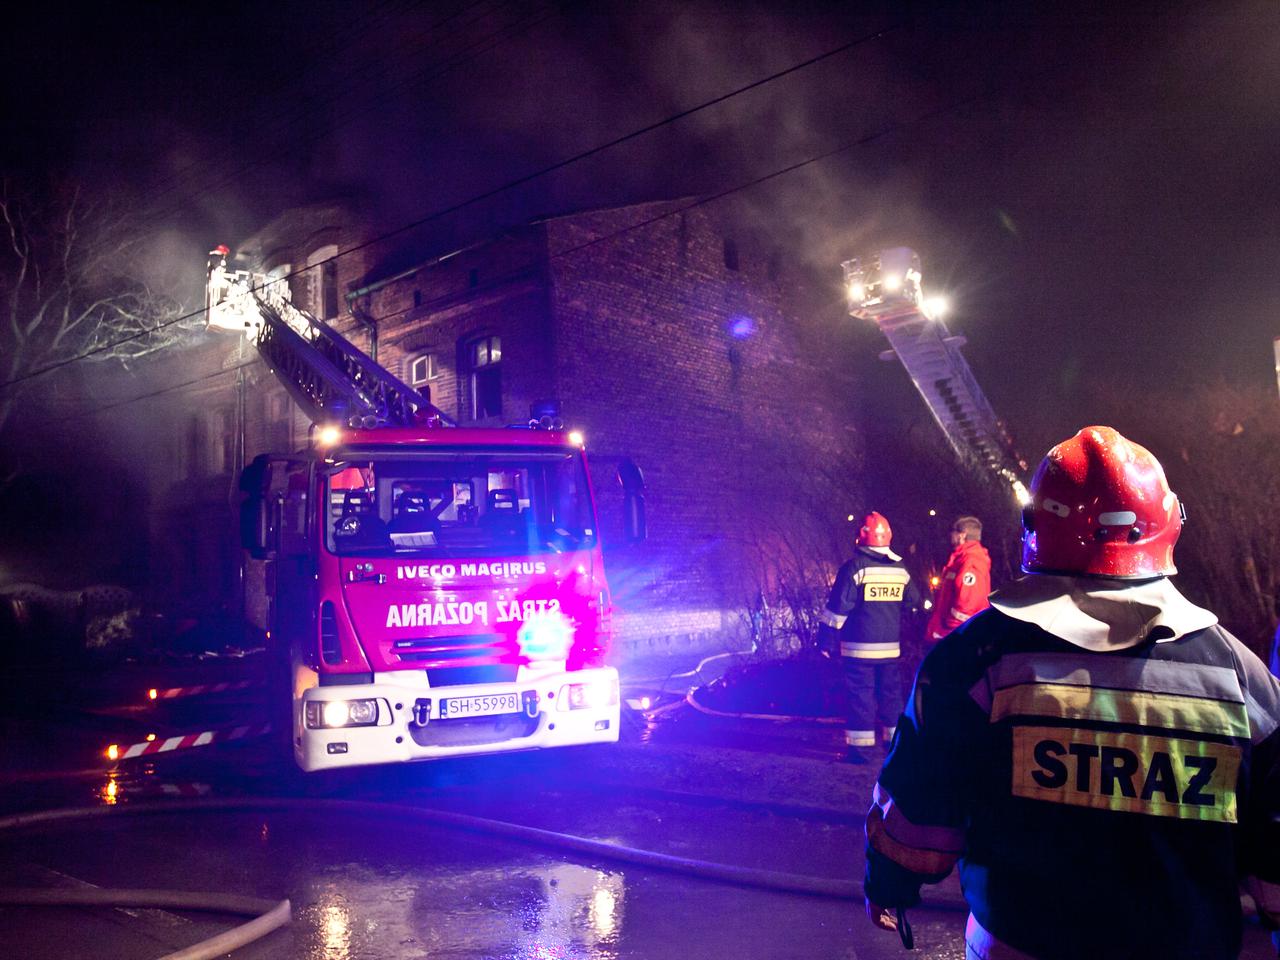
point(1099, 804)
point(864, 608)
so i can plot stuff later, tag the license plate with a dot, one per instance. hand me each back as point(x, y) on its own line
point(485, 705)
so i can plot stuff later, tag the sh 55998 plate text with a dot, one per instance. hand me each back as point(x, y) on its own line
point(481, 706)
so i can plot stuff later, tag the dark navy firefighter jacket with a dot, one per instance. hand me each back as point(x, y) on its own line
point(864, 609)
point(1100, 804)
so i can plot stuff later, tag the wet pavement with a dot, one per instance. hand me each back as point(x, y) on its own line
point(380, 883)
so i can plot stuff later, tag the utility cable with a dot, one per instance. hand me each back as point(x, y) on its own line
point(375, 15)
point(293, 117)
point(519, 181)
point(825, 155)
point(479, 47)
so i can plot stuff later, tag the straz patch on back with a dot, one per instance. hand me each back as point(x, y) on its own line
point(882, 591)
point(1131, 772)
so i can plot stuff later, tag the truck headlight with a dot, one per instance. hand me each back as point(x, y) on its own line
point(329, 714)
point(588, 696)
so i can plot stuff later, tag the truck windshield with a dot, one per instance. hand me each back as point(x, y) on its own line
point(458, 503)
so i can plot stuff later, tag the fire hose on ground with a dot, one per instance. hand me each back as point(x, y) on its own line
point(722, 872)
point(270, 916)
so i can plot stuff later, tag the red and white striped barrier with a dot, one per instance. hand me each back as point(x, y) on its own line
point(185, 742)
point(201, 689)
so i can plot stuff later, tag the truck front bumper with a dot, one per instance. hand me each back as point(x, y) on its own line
point(537, 712)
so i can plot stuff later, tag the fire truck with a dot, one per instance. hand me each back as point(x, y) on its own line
point(428, 590)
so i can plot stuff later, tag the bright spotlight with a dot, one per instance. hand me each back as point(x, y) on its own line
point(892, 282)
point(576, 438)
point(857, 292)
point(328, 436)
point(937, 307)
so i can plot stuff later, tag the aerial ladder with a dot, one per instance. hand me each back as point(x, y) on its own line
point(327, 375)
point(886, 289)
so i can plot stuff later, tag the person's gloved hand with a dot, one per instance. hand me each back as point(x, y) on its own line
point(882, 917)
point(892, 919)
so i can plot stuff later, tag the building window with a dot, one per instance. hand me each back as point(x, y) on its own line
point(279, 422)
point(730, 254)
point(322, 282)
point(192, 465)
point(423, 369)
point(484, 364)
point(277, 282)
point(222, 437)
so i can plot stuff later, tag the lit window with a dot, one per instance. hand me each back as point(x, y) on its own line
point(423, 369)
point(484, 356)
point(322, 282)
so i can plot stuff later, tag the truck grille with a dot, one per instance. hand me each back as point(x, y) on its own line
point(468, 658)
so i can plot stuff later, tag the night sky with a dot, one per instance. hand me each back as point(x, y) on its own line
point(1094, 184)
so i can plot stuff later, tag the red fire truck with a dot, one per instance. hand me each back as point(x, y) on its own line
point(426, 590)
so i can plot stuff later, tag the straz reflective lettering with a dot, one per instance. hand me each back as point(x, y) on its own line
point(882, 591)
point(436, 614)
point(1132, 772)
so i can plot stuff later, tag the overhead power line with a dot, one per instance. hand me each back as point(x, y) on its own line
point(844, 147)
point(294, 116)
point(488, 194)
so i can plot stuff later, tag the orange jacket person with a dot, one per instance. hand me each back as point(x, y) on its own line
point(966, 580)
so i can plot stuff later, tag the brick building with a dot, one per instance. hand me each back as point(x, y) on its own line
point(662, 340)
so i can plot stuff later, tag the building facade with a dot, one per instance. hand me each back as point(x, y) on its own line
point(660, 338)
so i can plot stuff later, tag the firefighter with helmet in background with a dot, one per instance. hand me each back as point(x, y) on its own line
point(965, 581)
point(861, 621)
point(1097, 753)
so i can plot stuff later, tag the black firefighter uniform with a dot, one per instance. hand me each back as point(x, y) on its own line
point(863, 614)
point(1104, 795)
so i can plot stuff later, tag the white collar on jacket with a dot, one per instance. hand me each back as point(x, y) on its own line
point(884, 552)
point(1101, 615)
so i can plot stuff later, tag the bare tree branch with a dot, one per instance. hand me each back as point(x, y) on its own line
point(70, 285)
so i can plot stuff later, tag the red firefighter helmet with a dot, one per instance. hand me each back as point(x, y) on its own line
point(875, 531)
point(1100, 506)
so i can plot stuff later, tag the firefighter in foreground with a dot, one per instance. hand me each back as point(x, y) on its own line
point(862, 620)
point(1097, 753)
point(965, 582)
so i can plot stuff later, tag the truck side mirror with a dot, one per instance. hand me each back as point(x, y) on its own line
point(632, 481)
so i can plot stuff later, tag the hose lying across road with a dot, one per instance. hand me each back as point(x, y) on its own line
point(723, 872)
point(279, 914)
point(268, 914)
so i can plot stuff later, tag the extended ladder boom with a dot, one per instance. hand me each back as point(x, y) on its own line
point(887, 290)
point(325, 373)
